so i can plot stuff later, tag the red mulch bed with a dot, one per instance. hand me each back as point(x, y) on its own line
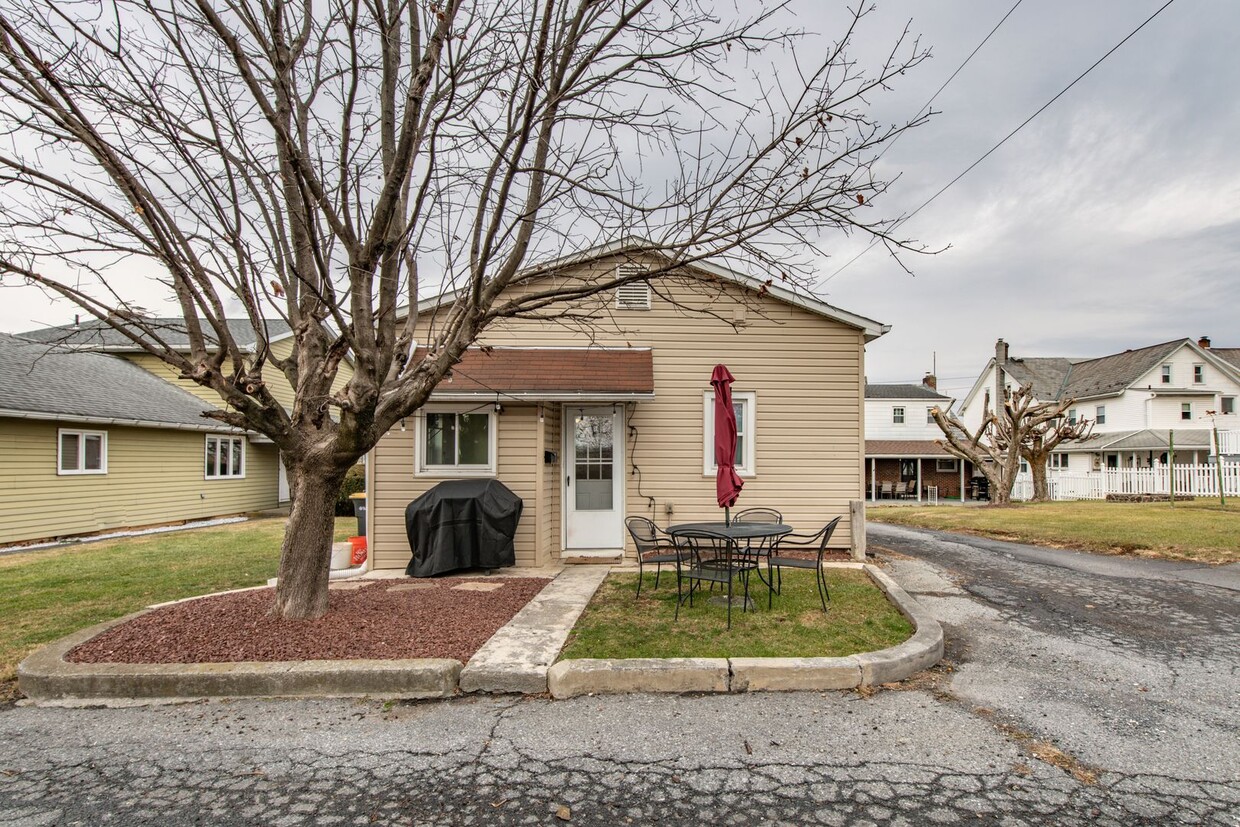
point(371, 622)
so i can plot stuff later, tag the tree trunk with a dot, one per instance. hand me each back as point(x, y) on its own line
point(1041, 492)
point(305, 557)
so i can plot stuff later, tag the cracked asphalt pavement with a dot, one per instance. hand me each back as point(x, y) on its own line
point(1077, 690)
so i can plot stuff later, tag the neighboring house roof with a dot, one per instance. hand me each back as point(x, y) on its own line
point(637, 245)
point(549, 373)
point(1047, 375)
point(901, 392)
point(1056, 378)
point(44, 383)
point(1112, 374)
point(1149, 439)
point(904, 448)
point(94, 334)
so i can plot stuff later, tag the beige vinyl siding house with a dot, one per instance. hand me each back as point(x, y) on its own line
point(799, 368)
point(92, 442)
point(153, 476)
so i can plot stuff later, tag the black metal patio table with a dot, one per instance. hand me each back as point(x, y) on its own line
point(745, 533)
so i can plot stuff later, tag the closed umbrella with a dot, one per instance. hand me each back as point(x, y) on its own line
point(727, 483)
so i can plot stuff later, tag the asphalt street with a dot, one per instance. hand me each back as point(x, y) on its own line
point(1077, 690)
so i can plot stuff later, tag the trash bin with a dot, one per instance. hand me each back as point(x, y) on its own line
point(359, 508)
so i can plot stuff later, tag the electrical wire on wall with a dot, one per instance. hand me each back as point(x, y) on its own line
point(637, 471)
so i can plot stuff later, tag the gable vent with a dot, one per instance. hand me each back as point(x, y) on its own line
point(636, 294)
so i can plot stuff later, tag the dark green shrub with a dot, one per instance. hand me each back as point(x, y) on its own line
point(354, 483)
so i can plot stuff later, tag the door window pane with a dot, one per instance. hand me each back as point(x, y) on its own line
point(593, 439)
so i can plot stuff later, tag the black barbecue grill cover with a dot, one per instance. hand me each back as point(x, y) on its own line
point(462, 524)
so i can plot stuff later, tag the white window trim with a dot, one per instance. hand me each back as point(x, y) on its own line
point(224, 438)
point(939, 469)
point(1100, 414)
point(750, 400)
point(1199, 374)
point(421, 469)
point(1186, 408)
point(81, 471)
point(903, 415)
point(1222, 403)
point(1165, 373)
point(1058, 462)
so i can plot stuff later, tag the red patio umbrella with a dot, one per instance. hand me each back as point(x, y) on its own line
point(727, 483)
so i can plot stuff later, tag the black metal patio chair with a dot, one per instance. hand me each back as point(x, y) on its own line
point(653, 546)
point(714, 558)
point(760, 546)
point(781, 557)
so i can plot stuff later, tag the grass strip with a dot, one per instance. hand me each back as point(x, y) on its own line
point(617, 625)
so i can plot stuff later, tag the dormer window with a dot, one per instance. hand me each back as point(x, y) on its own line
point(1166, 374)
point(633, 295)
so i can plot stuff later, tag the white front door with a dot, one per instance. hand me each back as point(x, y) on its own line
point(594, 477)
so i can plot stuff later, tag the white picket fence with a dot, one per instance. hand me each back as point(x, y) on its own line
point(1190, 480)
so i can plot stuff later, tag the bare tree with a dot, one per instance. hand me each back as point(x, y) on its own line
point(333, 161)
point(1023, 429)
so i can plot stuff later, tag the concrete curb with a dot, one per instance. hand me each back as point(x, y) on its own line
point(921, 651)
point(47, 676)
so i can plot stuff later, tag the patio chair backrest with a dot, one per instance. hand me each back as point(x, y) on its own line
point(703, 546)
point(910, 487)
point(827, 531)
point(758, 515)
point(888, 487)
point(644, 532)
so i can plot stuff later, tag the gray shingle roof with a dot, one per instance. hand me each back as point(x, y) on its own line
point(1111, 374)
point(901, 392)
point(63, 384)
point(1150, 439)
point(1047, 374)
point(1231, 355)
point(93, 334)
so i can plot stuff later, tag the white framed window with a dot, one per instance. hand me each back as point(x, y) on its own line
point(1199, 374)
point(1072, 416)
point(1186, 410)
point(1227, 404)
point(744, 406)
point(455, 442)
point(945, 465)
point(1100, 415)
point(1059, 462)
point(225, 458)
point(1166, 374)
point(929, 416)
point(897, 416)
point(81, 452)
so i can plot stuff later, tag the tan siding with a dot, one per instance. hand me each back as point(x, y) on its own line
point(553, 484)
point(393, 462)
point(157, 366)
point(280, 387)
point(154, 476)
point(806, 371)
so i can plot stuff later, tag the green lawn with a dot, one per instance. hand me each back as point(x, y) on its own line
point(45, 595)
point(1200, 530)
point(615, 625)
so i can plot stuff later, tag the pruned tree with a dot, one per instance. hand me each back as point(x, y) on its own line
point(330, 162)
point(1022, 429)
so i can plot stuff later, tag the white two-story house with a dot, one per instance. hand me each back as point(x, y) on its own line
point(1142, 402)
point(902, 452)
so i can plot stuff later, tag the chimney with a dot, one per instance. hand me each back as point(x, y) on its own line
point(930, 381)
point(1001, 358)
point(1204, 342)
point(1001, 352)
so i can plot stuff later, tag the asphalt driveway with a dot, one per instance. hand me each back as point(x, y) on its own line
point(1078, 691)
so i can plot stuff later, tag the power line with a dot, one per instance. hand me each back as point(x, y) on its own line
point(1006, 138)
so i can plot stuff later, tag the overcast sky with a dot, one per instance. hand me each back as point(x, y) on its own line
point(1111, 221)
